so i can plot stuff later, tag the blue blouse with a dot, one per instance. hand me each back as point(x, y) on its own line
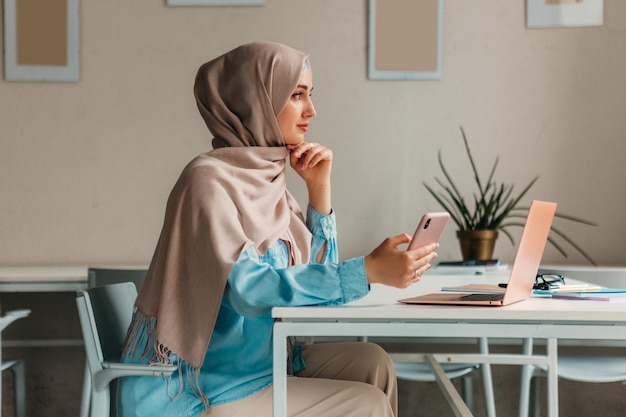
point(238, 361)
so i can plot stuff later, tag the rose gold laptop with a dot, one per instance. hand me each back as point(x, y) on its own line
point(523, 271)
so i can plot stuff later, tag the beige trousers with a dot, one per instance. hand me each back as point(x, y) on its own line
point(340, 379)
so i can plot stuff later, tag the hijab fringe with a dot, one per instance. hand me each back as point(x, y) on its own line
point(141, 342)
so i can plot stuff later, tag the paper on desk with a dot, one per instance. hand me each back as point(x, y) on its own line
point(570, 288)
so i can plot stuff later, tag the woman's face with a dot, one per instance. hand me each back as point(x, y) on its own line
point(294, 118)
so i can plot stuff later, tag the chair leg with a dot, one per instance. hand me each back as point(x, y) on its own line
point(525, 382)
point(86, 395)
point(485, 369)
point(100, 405)
point(19, 388)
point(535, 392)
point(467, 391)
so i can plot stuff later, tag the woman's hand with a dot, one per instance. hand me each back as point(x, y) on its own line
point(313, 163)
point(395, 267)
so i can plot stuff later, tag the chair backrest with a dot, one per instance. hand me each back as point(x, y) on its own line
point(98, 277)
point(105, 313)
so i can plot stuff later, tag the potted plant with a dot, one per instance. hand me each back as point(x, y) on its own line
point(494, 209)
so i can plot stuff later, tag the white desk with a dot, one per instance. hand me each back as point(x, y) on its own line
point(49, 278)
point(378, 314)
point(43, 279)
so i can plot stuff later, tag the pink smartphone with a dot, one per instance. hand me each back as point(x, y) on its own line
point(429, 229)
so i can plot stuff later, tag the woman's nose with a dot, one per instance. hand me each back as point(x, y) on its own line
point(310, 110)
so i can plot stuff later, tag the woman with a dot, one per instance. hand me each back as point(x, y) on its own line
point(234, 244)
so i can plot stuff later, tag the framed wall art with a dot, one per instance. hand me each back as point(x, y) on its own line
point(405, 39)
point(41, 40)
point(564, 13)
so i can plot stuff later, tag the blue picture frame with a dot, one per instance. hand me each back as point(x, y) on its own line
point(16, 71)
point(407, 45)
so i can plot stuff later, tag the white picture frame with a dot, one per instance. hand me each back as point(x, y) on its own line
point(17, 68)
point(214, 2)
point(564, 13)
point(424, 51)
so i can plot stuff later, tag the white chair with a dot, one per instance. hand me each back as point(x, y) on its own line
point(410, 370)
point(105, 313)
point(97, 277)
point(591, 369)
point(16, 366)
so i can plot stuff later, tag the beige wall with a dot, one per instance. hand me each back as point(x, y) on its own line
point(85, 168)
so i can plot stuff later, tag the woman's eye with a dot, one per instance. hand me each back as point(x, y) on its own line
point(300, 95)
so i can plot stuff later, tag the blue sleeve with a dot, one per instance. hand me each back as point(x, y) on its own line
point(324, 231)
point(258, 283)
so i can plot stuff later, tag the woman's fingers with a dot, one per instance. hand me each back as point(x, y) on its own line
point(395, 267)
point(310, 154)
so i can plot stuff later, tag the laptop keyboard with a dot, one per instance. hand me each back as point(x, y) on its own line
point(482, 297)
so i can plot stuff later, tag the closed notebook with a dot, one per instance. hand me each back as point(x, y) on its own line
point(615, 295)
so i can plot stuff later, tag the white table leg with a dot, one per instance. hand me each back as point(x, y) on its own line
point(280, 371)
point(485, 369)
point(553, 378)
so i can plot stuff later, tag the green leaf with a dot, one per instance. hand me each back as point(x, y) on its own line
point(494, 204)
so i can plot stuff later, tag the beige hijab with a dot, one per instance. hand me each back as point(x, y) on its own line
point(225, 200)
